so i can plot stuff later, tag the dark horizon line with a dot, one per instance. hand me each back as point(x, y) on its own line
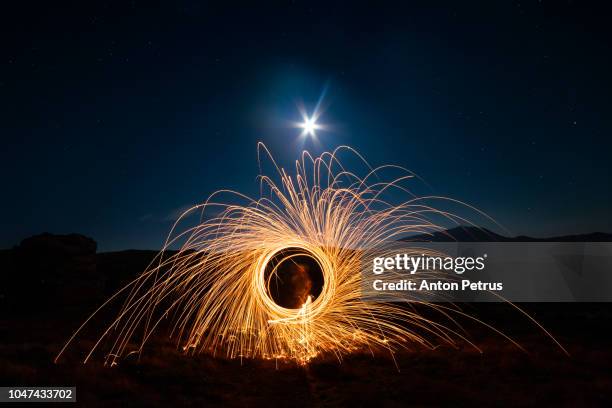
point(456, 234)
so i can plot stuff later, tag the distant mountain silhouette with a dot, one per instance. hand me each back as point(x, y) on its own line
point(66, 268)
point(475, 234)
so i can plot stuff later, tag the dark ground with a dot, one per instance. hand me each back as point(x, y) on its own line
point(38, 317)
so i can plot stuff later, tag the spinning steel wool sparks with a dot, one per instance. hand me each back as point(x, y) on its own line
point(278, 277)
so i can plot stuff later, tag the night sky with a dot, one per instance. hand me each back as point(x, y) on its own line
point(117, 116)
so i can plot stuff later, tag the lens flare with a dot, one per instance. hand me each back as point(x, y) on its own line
point(278, 276)
point(309, 126)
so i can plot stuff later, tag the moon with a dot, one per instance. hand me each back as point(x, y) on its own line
point(309, 126)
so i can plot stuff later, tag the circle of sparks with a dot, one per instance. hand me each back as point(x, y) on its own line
point(215, 286)
point(293, 276)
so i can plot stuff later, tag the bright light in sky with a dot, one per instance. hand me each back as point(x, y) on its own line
point(309, 125)
point(310, 122)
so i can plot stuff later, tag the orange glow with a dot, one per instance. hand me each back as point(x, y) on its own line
point(215, 287)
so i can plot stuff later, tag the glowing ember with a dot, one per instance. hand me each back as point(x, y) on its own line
point(279, 276)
